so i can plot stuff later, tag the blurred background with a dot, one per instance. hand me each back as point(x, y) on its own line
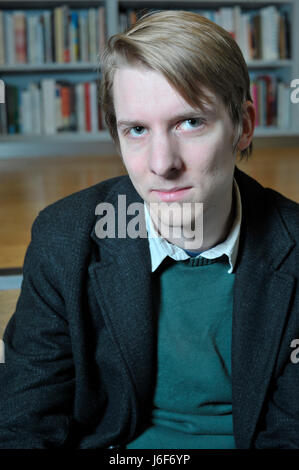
point(53, 139)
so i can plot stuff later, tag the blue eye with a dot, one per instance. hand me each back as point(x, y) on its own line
point(192, 123)
point(137, 131)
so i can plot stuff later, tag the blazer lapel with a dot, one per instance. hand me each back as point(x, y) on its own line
point(261, 301)
point(122, 284)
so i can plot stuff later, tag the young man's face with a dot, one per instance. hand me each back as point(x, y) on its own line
point(166, 144)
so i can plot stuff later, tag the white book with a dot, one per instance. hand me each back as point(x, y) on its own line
point(48, 106)
point(80, 107)
point(31, 39)
point(2, 48)
point(283, 106)
point(92, 34)
point(25, 113)
point(245, 25)
point(39, 41)
point(238, 25)
point(35, 95)
point(94, 107)
point(227, 19)
point(101, 30)
point(269, 32)
point(9, 39)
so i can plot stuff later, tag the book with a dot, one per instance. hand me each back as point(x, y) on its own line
point(80, 107)
point(74, 39)
point(2, 48)
point(269, 33)
point(35, 101)
point(19, 26)
point(58, 35)
point(87, 107)
point(48, 106)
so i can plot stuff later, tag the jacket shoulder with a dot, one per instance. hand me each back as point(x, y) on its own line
point(268, 202)
point(75, 214)
point(288, 210)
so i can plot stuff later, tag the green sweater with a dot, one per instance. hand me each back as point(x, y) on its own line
point(192, 407)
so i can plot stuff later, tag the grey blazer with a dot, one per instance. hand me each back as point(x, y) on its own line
point(80, 348)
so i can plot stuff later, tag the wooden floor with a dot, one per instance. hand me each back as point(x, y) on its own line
point(29, 185)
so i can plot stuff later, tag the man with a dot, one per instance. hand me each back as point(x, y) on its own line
point(162, 341)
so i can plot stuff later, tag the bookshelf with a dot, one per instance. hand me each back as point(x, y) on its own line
point(73, 142)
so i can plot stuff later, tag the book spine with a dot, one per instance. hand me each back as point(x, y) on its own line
point(269, 29)
point(83, 38)
point(39, 41)
point(36, 108)
point(92, 41)
point(65, 106)
point(80, 107)
point(3, 119)
point(48, 106)
point(101, 29)
point(74, 46)
point(87, 106)
point(2, 48)
point(72, 121)
point(66, 34)
point(19, 25)
point(48, 36)
point(93, 106)
point(25, 113)
point(58, 32)
point(9, 39)
point(58, 108)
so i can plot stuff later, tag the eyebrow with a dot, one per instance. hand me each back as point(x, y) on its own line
point(193, 113)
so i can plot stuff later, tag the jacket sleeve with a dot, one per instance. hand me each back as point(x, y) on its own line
point(279, 426)
point(37, 378)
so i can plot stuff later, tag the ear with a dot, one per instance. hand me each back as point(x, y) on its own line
point(248, 125)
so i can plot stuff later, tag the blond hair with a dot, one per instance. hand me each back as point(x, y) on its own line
point(190, 51)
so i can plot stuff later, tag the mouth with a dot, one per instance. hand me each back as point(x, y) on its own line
point(173, 194)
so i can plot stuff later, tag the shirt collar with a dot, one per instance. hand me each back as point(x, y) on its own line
point(160, 248)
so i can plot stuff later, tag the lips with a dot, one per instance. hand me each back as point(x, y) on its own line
point(173, 194)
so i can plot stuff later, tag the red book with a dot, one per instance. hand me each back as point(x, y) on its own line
point(270, 98)
point(65, 106)
point(20, 37)
point(87, 107)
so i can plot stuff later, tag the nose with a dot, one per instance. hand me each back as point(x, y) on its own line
point(164, 155)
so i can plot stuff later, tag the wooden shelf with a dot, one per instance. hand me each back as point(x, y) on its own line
point(72, 137)
point(49, 67)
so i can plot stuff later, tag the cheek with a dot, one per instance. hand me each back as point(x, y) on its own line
point(135, 166)
point(204, 158)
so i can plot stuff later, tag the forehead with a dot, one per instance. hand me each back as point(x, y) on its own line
point(138, 90)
